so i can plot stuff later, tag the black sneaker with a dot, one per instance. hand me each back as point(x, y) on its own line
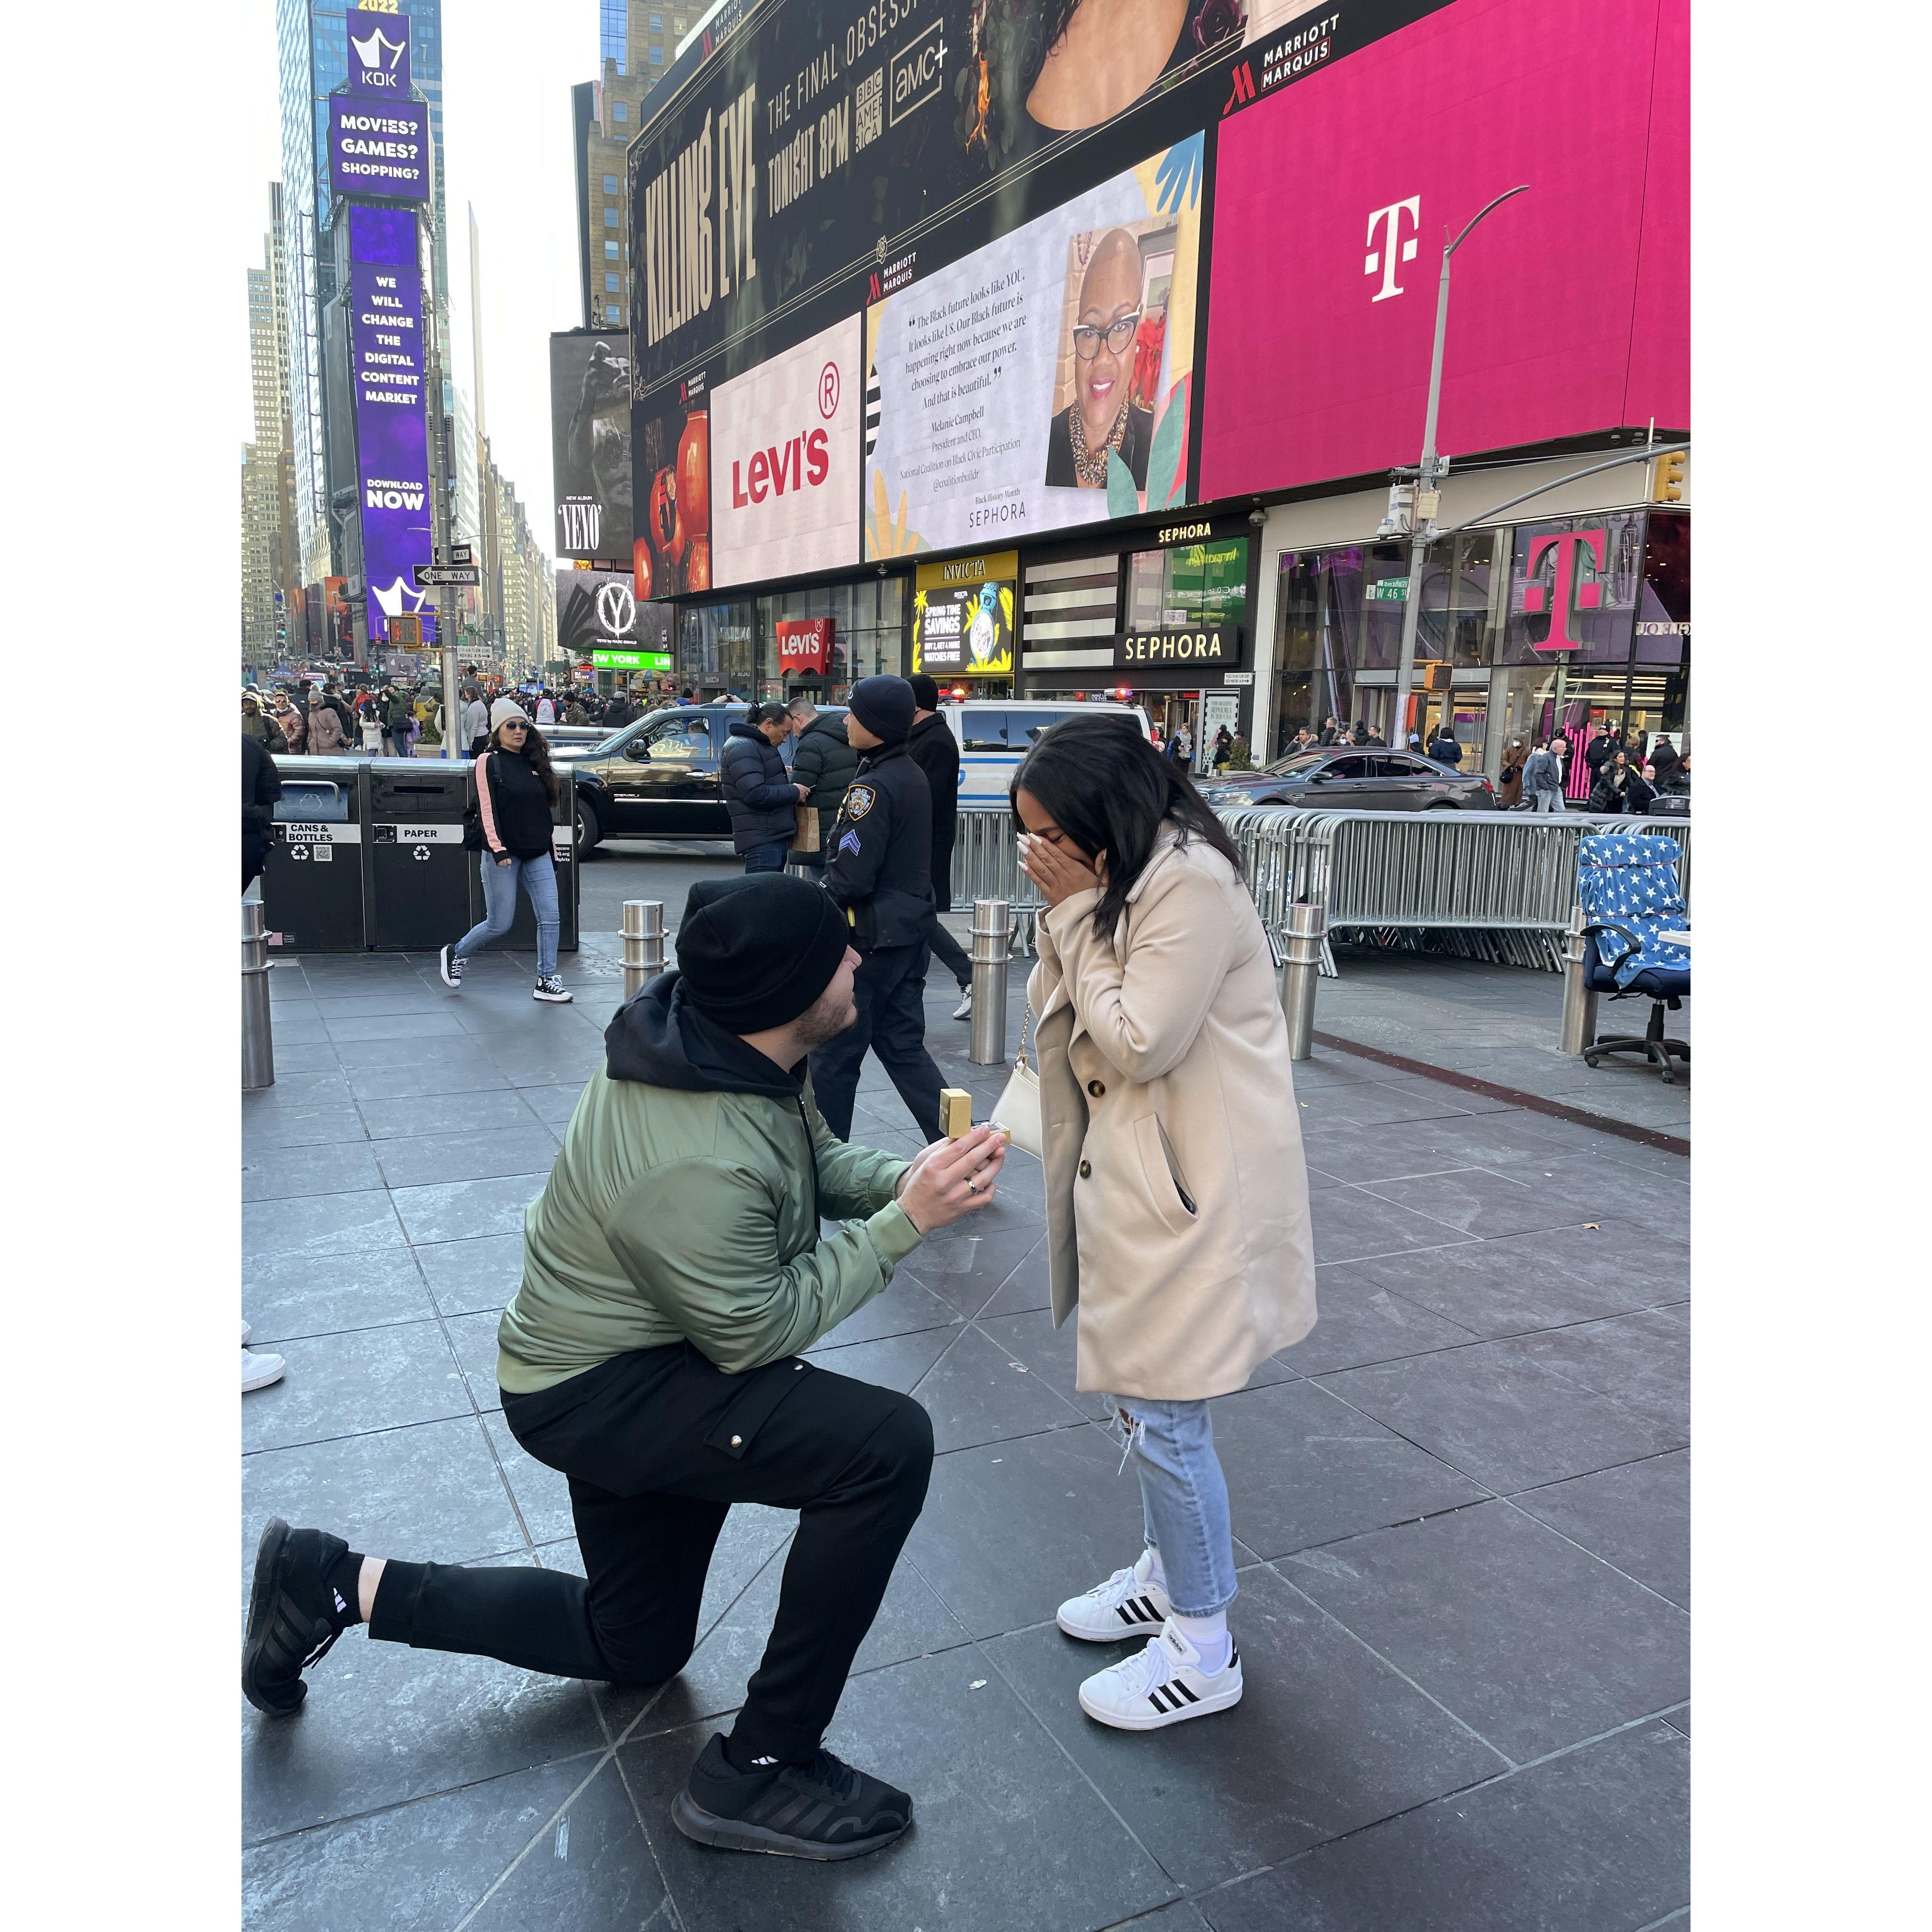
point(289, 1627)
point(551, 988)
point(826, 1809)
point(451, 967)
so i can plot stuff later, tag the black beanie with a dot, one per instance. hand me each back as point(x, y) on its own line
point(883, 705)
point(756, 951)
point(925, 692)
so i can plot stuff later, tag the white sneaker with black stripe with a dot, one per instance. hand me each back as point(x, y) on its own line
point(1128, 1603)
point(1161, 1685)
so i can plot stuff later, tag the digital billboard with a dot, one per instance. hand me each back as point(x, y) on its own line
point(1042, 381)
point(1570, 306)
point(784, 462)
point(590, 443)
point(813, 143)
point(385, 351)
point(962, 616)
point(378, 53)
point(671, 553)
point(599, 617)
point(379, 149)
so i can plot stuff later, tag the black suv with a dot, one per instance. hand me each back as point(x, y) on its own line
point(657, 778)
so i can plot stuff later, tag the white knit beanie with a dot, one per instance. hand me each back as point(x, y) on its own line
point(506, 708)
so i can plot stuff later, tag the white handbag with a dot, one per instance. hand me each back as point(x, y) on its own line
point(1017, 1110)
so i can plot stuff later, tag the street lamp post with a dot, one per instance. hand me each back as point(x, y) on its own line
point(1422, 527)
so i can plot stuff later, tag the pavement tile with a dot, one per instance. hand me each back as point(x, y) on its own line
point(288, 1295)
point(1002, 1837)
point(1493, 1412)
point(894, 1361)
point(347, 1384)
point(465, 1277)
point(294, 1093)
point(320, 1224)
point(1027, 1286)
point(1474, 1201)
point(1612, 1190)
point(422, 1160)
point(463, 1072)
point(1357, 1320)
point(1595, 1841)
point(419, 1023)
point(290, 1173)
point(393, 1001)
point(1354, 1152)
point(1679, 1720)
point(399, 1053)
point(1303, 1468)
point(460, 1210)
point(1351, 1225)
point(1370, 1103)
point(420, 1113)
point(1636, 1517)
point(552, 1104)
point(473, 1337)
point(1327, 1739)
point(541, 1493)
point(429, 1494)
point(383, 1723)
point(903, 1307)
point(1544, 1280)
point(964, 1268)
point(423, 1864)
point(1643, 1361)
point(305, 1056)
point(1530, 1642)
point(976, 1393)
point(1011, 1530)
point(317, 1123)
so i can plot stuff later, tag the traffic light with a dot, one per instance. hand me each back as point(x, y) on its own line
point(1667, 478)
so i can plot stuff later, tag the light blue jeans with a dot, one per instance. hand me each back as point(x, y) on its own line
point(499, 903)
point(1183, 1498)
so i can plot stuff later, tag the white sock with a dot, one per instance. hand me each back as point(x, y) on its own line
point(1148, 1568)
point(1209, 1636)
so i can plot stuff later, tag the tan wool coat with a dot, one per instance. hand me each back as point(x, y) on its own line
point(1177, 1194)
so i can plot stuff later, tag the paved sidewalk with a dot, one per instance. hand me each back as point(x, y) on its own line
point(1461, 1506)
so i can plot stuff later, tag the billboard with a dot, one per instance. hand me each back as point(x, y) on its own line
point(1043, 381)
point(784, 451)
point(598, 618)
point(671, 553)
point(385, 351)
point(1570, 311)
point(379, 149)
point(808, 146)
point(378, 53)
point(590, 443)
point(962, 616)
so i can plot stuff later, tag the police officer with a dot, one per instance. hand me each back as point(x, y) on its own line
point(878, 870)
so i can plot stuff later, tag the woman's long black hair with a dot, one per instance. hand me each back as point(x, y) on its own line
point(1112, 793)
point(538, 752)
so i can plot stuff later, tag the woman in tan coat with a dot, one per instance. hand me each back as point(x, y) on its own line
point(1177, 1196)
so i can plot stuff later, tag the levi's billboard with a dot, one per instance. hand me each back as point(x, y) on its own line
point(785, 463)
point(1333, 196)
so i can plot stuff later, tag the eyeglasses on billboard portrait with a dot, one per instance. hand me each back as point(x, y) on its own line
point(1119, 333)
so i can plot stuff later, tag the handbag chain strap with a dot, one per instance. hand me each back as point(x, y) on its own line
point(1020, 1058)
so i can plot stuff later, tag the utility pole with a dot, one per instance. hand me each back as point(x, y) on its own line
point(1428, 483)
point(436, 425)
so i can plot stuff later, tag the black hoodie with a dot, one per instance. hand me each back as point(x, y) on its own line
point(661, 1039)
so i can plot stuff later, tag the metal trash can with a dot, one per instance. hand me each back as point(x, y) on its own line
point(312, 878)
point(522, 936)
point(418, 871)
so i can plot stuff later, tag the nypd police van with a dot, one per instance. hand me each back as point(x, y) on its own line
point(995, 733)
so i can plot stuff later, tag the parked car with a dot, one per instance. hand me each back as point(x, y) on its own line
point(995, 733)
point(656, 778)
point(1347, 779)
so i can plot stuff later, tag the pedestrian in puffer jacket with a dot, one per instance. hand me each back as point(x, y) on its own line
point(824, 761)
point(326, 734)
point(761, 798)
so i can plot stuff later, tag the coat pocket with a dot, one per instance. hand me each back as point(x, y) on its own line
point(752, 1407)
point(1167, 1188)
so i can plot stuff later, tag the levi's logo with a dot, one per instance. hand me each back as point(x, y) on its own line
point(802, 464)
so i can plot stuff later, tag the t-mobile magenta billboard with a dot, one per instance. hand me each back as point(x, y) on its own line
point(1570, 308)
point(391, 448)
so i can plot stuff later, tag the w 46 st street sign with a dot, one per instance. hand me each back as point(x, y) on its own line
point(429, 574)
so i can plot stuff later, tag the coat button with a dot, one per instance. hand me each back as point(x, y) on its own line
point(1086, 1170)
point(737, 1442)
point(1096, 1088)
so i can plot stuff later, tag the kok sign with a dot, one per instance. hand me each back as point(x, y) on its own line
point(805, 644)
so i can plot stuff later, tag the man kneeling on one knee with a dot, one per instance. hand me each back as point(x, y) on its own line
point(673, 1269)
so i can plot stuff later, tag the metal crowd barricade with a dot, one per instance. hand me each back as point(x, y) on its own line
point(1497, 886)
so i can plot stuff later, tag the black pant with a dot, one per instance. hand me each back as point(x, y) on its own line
point(658, 1445)
point(890, 988)
point(948, 951)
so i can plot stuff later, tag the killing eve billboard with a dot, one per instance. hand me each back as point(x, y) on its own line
point(672, 552)
point(391, 448)
point(1043, 381)
point(813, 143)
point(590, 443)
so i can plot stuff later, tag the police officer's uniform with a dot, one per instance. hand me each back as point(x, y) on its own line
point(878, 869)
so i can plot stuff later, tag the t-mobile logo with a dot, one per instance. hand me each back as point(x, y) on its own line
point(1569, 590)
point(1393, 250)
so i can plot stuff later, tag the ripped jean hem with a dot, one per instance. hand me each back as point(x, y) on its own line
point(1183, 1498)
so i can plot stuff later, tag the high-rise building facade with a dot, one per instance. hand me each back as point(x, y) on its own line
point(270, 581)
point(312, 40)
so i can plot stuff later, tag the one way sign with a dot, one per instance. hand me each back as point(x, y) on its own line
point(430, 575)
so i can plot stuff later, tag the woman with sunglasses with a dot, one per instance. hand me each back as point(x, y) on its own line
point(516, 791)
point(1103, 419)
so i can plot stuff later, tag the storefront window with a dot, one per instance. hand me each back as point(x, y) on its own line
point(715, 648)
point(1190, 585)
point(1659, 698)
point(868, 636)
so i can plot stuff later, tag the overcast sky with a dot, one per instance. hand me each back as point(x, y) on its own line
point(508, 71)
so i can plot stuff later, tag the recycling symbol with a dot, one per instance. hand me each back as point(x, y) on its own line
point(298, 851)
point(420, 853)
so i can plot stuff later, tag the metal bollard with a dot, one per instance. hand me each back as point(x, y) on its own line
point(258, 1040)
point(992, 943)
point(1579, 1003)
point(643, 943)
point(1301, 939)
